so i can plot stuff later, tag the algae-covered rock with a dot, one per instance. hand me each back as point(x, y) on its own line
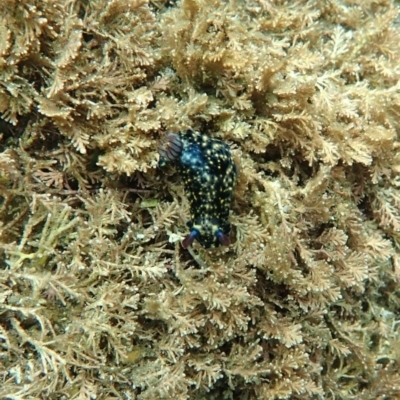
point(98, 299)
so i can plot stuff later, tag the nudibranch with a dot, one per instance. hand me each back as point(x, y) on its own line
point(209, 174)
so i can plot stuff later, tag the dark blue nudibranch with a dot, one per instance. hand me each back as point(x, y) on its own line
point(209, 173)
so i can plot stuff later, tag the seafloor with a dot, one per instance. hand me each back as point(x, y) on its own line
point(98, 299)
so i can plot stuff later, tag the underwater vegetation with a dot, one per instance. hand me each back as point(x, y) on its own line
point(98, 297)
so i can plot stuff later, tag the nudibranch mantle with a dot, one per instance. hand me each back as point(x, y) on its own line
point(209, 174)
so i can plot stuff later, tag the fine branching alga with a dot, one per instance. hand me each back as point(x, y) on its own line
point(99, 300)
